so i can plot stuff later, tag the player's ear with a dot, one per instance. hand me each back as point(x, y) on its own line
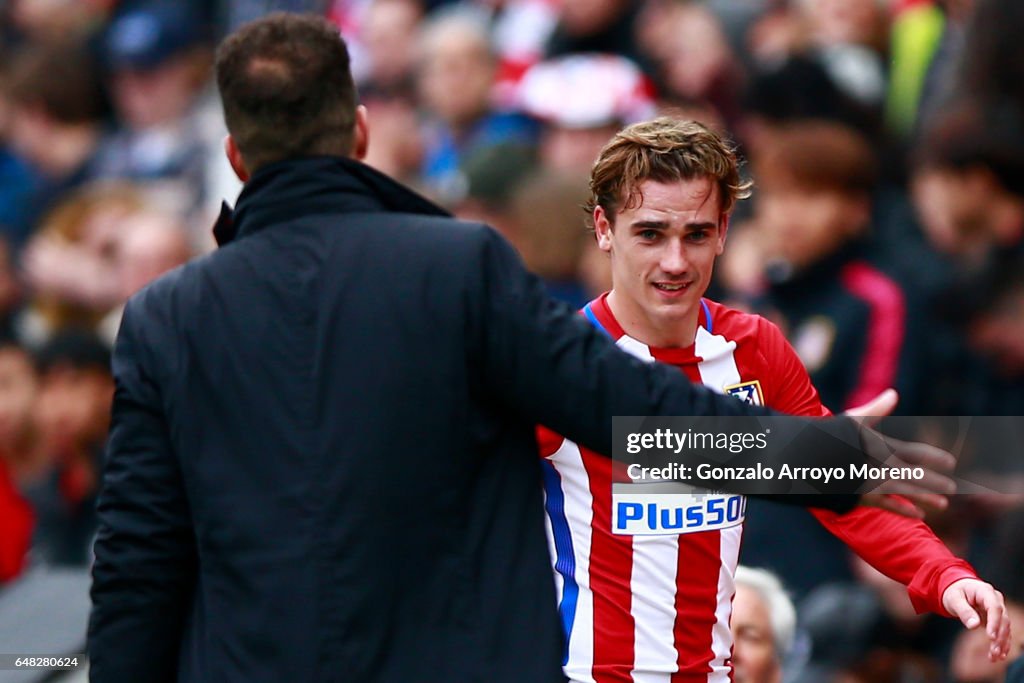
point(362, 134)
point(235, 159)
point(602, 228)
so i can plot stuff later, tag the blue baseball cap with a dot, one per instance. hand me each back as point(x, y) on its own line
point(146, 37)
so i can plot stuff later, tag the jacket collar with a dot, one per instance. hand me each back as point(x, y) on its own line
point(290, 189)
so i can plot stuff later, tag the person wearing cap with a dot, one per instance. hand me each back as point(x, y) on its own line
point(158, 65)
point(322, 463)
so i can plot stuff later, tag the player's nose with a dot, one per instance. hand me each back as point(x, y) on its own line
point(673, 260)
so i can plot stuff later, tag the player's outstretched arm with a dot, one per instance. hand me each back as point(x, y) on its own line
point(976, 603)
point(971, 600)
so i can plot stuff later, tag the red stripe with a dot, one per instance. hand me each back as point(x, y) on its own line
point(886, 329)
point(611, 568)
point(603, 313)
point(700, 560)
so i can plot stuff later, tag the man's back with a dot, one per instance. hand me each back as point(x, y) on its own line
point(338, 462)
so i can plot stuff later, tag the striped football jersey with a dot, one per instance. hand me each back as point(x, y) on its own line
point(654, 607)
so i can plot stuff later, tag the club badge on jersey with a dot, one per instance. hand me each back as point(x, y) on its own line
point(748, 392)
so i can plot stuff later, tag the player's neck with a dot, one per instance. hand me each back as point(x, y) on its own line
point(677, 332)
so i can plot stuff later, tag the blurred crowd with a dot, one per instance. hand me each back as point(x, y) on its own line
point(885, 235)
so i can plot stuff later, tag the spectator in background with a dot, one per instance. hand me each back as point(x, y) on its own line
point(582, 100)
point(997, 328)
point(846, 38)
point(552, 233)
point(17, 393)
point(17, 181)
point(763, 624)
point(969, 179)
point(456, 81)
point(992, 64)
point(928, 40)
point(55, 124)
point(537, 210)
point(519, 32)
point(69, 265)
point(849, 39)
point(493, 178)
point(158, 64)
point(797, 89)
point(152, 242)
point(387, 85)
point(96, 250)
point(694, 59)
point(70, 416)
point(848, 320)
point(388, 37)
point(33, 21)
point(596, 26)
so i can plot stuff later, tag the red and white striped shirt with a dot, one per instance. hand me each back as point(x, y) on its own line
point(655, 608)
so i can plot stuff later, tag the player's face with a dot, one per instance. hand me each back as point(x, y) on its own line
point(662, 256)
point(753, 654)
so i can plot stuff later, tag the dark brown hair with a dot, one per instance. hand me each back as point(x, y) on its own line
point(817, 155)
point(663, 150)
point(287, 89)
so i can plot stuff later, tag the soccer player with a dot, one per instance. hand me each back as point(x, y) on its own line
point(656, 607)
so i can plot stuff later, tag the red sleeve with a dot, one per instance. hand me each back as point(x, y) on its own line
point(788, 389)
point(16, 523)
point(901, 548)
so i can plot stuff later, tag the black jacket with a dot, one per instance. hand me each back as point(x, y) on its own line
point(322, 463)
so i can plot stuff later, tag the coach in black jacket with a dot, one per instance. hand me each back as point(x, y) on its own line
point(322, 464)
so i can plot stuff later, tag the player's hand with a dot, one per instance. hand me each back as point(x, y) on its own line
point(914, 495)
point(875, 409)
point(908, 497)
point(975, 603)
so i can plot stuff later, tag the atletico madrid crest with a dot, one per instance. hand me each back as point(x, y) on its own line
point(748, 392)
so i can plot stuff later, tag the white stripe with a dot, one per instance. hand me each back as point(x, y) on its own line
point(721, 634)
point(718, 367)
point(635, 348)
point(718, 370)
point(579, 512)
point(655, 559)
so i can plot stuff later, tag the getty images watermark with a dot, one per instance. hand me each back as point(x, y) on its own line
point(675, 475)
point(781, 455)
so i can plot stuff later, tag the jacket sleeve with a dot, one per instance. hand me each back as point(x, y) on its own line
point(546, 364)
point(903, 549)
point(145, 566)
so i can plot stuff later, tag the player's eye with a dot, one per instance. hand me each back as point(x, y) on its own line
point(697, 236)
point(648, 235)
